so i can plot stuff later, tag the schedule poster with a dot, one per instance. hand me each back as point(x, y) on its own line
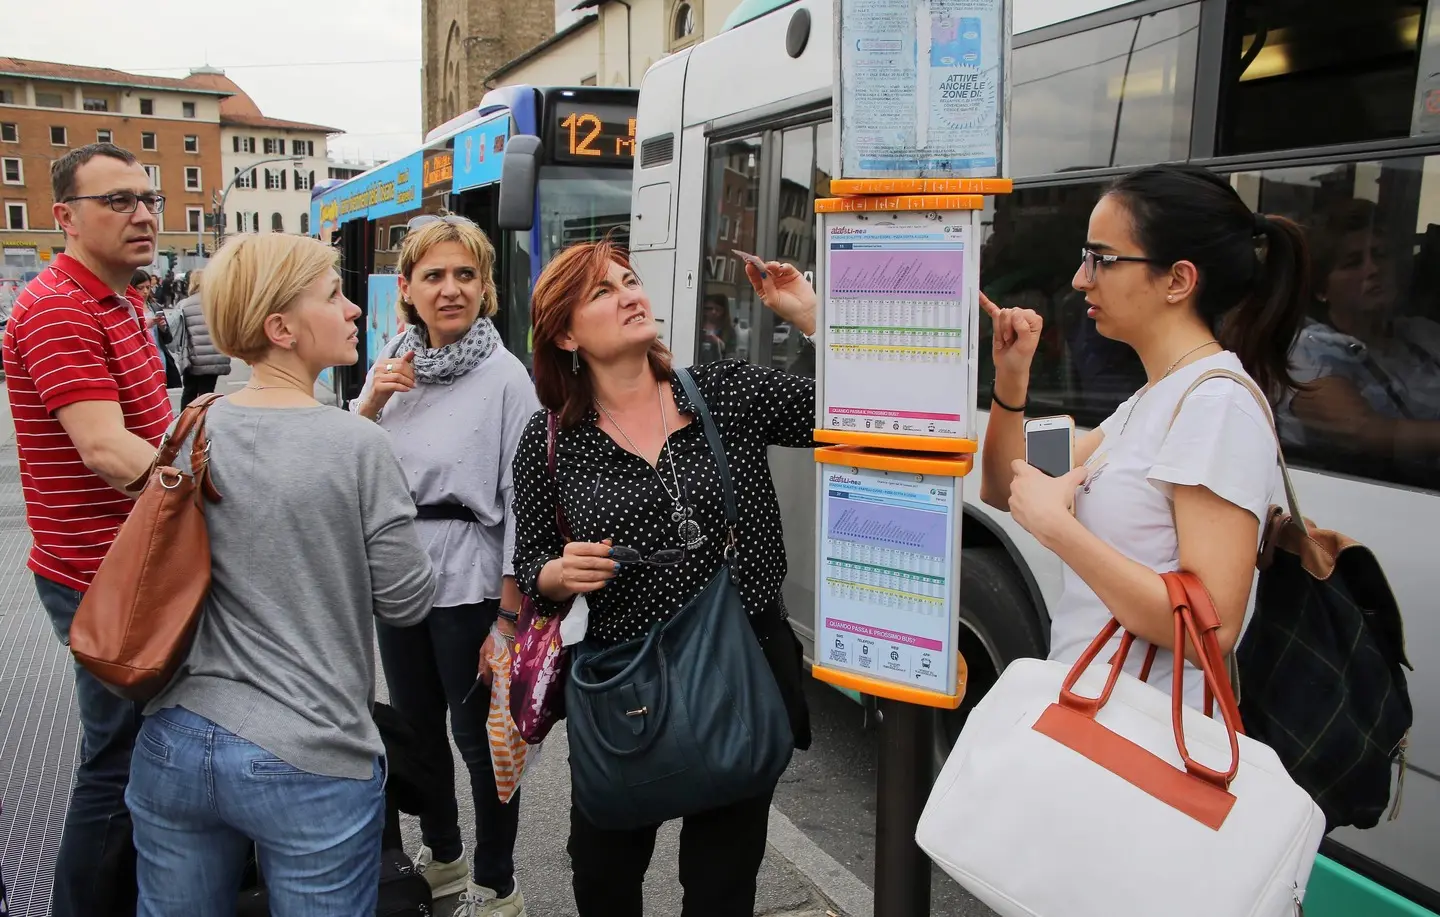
point(899, 297)
point(888, 573)
point(922, 90)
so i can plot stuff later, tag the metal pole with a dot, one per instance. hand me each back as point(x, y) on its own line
point(902, 870)
point(225, 195)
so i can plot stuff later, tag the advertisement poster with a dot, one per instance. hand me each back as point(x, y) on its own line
point(393, 188)
point(479, 150)
point(897, 302)
point(939, 64)
point(382, 318)
point(887, 576)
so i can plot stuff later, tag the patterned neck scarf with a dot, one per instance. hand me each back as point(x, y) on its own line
point(443, 365)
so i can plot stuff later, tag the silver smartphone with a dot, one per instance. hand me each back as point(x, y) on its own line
point(1050, 444)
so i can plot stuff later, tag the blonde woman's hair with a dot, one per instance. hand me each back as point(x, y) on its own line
point(194, 281)
point(255, 276)
point(419, 242)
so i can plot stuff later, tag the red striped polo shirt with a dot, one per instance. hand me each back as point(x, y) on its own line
point(72, 339)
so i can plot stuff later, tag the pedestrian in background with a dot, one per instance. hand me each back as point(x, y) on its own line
point(454, 401)
point(204, 363)
point(87, 393)
point(265, 735)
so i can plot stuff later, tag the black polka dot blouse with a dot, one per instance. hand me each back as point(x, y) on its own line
point(607, 491)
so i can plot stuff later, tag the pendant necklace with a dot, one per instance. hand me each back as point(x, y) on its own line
point(685, 526)
point(1161, 379)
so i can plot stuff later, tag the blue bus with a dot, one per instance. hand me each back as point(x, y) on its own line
point(572, 154)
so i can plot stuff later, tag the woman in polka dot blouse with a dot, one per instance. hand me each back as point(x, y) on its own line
point(634, 471)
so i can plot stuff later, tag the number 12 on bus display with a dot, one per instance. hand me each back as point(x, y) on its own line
point(596, 134)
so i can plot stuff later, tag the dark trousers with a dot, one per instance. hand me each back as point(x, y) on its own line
point(95, 867)
point(720, 855)
point(429, 668)
point(195, 386)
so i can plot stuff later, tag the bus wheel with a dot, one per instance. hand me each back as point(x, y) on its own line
point(998, 624)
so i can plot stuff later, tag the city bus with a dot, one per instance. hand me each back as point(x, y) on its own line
point(580, 191)
point(1325, 111)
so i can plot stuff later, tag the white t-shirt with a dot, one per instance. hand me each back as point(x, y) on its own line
point(1221, 440)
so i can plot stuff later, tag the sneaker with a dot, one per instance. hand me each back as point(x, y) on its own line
point(445, 878)
point(479, 901)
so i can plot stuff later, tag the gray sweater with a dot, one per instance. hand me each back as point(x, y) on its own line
point(456, 444)
point(205, 359)
point(313, 540)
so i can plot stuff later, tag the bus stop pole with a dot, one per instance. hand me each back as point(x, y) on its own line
point(902, 870)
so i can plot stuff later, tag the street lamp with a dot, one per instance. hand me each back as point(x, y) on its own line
point(225, 195)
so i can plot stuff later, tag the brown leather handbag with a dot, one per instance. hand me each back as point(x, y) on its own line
point(135, 624)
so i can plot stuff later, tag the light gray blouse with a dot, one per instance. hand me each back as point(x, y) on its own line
point(456, 444)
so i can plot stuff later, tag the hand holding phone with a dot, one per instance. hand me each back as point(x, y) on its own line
point(1050, 444)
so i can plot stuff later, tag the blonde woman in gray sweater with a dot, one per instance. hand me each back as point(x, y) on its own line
point(265, 735)
point(454, 402)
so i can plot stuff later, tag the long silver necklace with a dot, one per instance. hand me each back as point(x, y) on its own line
point(1158, 381)
point(685, 526)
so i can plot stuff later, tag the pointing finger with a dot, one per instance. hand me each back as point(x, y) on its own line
point(990, 308)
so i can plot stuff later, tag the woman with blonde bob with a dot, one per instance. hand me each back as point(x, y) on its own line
point(265, 735)
point(454, 402)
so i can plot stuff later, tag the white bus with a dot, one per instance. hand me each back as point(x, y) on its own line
point(1316, 109)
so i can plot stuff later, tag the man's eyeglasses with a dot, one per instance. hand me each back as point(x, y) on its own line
point(425, 219)
point(1091, 260)
point(124, 201)
point(666, 557)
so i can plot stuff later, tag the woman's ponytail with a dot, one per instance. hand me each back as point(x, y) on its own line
point(1261, 329)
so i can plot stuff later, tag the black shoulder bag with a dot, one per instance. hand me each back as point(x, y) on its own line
point(687, 719)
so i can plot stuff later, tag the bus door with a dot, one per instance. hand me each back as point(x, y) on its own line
point(356, 244)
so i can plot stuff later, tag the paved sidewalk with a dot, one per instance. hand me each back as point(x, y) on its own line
point(39, 737)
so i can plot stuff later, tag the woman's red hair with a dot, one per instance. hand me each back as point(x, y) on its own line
point(566, 280)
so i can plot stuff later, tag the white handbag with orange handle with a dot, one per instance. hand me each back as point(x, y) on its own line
point(1082, 791)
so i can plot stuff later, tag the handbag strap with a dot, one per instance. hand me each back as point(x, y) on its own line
point(1196, 619)
point(717, 448)
point(551, 433)
point(1290, 498)
point(192, 419)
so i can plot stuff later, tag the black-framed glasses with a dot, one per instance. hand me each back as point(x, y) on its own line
point(124, 201)
point(425, 219)
point(1091, 260)
point(665, 557)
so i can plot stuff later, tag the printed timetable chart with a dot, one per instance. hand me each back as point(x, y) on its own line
point(887, 575)
point(898, 319)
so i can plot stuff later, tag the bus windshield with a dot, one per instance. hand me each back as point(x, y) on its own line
point(580, 204)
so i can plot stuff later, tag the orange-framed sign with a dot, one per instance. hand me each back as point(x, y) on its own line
point(887, 581)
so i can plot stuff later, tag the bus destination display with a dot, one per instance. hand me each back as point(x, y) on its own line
point(593, 134)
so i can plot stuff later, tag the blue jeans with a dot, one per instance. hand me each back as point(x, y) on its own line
point(95, 866)
point(429, 668)
point(200, 795)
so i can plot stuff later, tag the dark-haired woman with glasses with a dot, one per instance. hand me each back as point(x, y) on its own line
point(640, 490)
point(454, 401)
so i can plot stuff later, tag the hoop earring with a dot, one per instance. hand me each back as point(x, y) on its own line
point(575, 361)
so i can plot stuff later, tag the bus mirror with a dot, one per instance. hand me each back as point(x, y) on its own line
point(517, 183)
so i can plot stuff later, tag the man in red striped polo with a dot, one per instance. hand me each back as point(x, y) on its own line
point(87, 393)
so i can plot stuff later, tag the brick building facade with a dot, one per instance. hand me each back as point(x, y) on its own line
point(47, 109)
point(464, 41)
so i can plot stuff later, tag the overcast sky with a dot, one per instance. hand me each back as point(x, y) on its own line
point(271, 48)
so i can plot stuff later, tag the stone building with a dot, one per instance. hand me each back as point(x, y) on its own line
point(464, 41)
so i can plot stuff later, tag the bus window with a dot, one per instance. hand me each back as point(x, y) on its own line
point(1319, 72)
point(1116, 95)
point(1371, 349)
point(805, 155)
point(730, 314)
